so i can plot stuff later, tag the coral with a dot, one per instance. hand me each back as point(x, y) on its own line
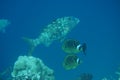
point(31, 68)
point(104, 78)
point(118, 73)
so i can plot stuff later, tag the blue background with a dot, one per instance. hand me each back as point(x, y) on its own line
point(99, 27)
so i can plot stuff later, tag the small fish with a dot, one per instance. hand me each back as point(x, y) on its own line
point(71, 62)
point(85, 76)
point(57, 30)
point(3, 24)
point(71, 46)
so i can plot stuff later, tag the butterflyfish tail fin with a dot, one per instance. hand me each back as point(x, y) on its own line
point(84, 47)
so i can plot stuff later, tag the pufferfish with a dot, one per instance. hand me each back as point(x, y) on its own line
point(71, 62)
point(71, 46)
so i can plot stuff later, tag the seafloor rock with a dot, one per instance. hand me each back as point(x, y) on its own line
point(31, 68)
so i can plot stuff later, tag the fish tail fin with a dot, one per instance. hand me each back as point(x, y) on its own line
point(31, 44)
point(84, 47)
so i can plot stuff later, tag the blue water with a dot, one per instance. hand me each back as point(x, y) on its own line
point(99, 27)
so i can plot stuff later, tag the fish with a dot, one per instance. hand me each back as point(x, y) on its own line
point(85, 76)
point(72, 46)
point(71, 62)
point(3, 24)
point(56, 30)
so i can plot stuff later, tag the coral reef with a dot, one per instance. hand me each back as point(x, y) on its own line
point(31, 68)
point(118, 73)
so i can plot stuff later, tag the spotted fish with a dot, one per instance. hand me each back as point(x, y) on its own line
point(57, 30)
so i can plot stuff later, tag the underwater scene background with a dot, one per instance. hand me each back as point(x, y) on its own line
point(99, 28)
